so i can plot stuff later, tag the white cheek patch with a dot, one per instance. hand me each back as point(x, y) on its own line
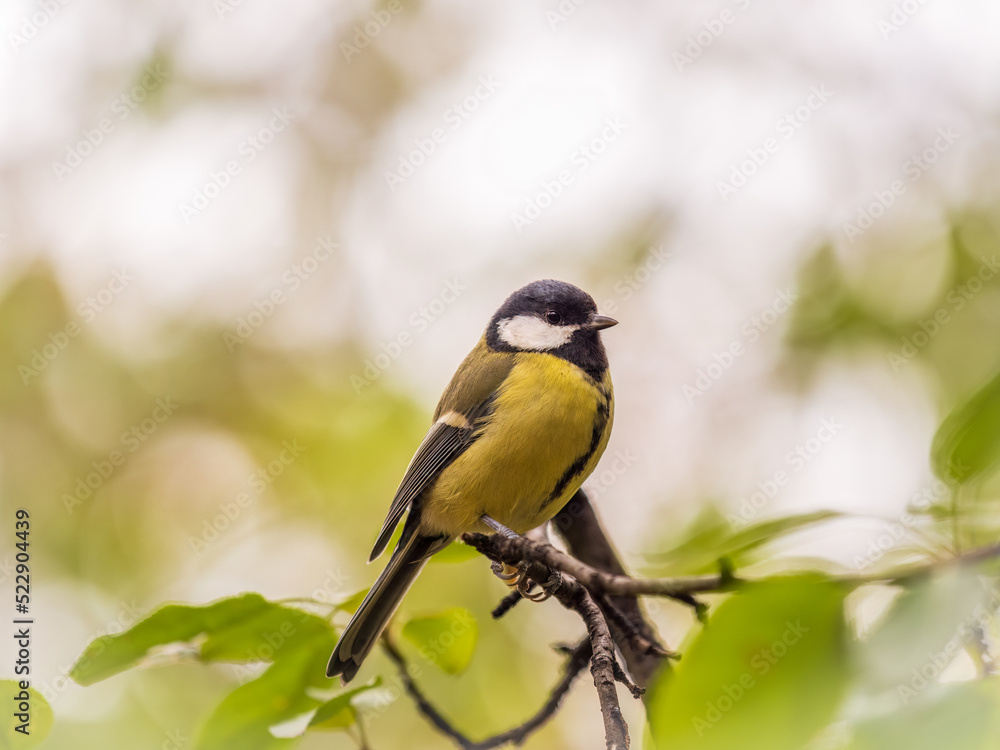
point(534, 334)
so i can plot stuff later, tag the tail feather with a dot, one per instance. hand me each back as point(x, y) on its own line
point(373, 615)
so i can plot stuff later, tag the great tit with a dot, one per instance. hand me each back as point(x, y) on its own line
point(521, 425)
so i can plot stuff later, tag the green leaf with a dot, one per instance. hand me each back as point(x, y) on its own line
point(768, 671)
point(716, 539)
point(967, 444)
point(965, 716)
point(111, 654)
point(242, 628)
point(338, 713)
point(243, 718)
point(923, 631)
point(447, 639)
point(39, 723)
point(263, 636)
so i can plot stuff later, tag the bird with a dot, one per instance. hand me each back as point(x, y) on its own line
point(520, 426)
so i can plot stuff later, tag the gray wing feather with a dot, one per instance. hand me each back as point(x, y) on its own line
point(442, 445)
point(471, 393)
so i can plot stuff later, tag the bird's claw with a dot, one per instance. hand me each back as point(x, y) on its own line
point(500, 570)
point(517, 578)
point(545, 591)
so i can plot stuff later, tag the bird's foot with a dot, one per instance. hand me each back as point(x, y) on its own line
point(506, 573)
point(517, 578)
point(545, 590)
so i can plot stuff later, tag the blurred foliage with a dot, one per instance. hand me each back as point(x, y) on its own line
point(238, 413)
point(31, 728)
point(296, 644)
point(712, 538)
point(848, 298)
point(919, 674)
point(768, 670)
point(447, 639)
point(930, 310)
point(963, 716)
point(177, 512)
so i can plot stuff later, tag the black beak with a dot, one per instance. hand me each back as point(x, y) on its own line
point(600, 322)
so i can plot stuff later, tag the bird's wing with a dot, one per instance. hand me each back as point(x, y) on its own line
point(460, 415)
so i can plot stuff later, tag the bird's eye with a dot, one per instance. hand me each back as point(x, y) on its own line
point(553, 317)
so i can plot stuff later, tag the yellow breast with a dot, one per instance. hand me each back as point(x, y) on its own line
point(549, 426)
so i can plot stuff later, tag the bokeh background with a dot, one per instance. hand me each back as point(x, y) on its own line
point(243, 246)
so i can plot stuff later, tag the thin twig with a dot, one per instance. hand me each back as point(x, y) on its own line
point(921, 570)
point(506, 604)
point(586, 540)
point(624, 680)
point(602, 663)
point(578, 657)
point(636, 638)
point(424, 705)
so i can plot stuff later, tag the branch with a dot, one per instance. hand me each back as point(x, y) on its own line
point(578, 658)
point(595, 585)
point(603, 665)
point(518, 549)
point(581, 529)
point(630, 632)
point(921, 570)
point(506, 604)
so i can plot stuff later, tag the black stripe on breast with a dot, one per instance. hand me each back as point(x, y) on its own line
point(600, 424)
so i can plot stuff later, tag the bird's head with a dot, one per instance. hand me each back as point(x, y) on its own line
point(546, 316)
